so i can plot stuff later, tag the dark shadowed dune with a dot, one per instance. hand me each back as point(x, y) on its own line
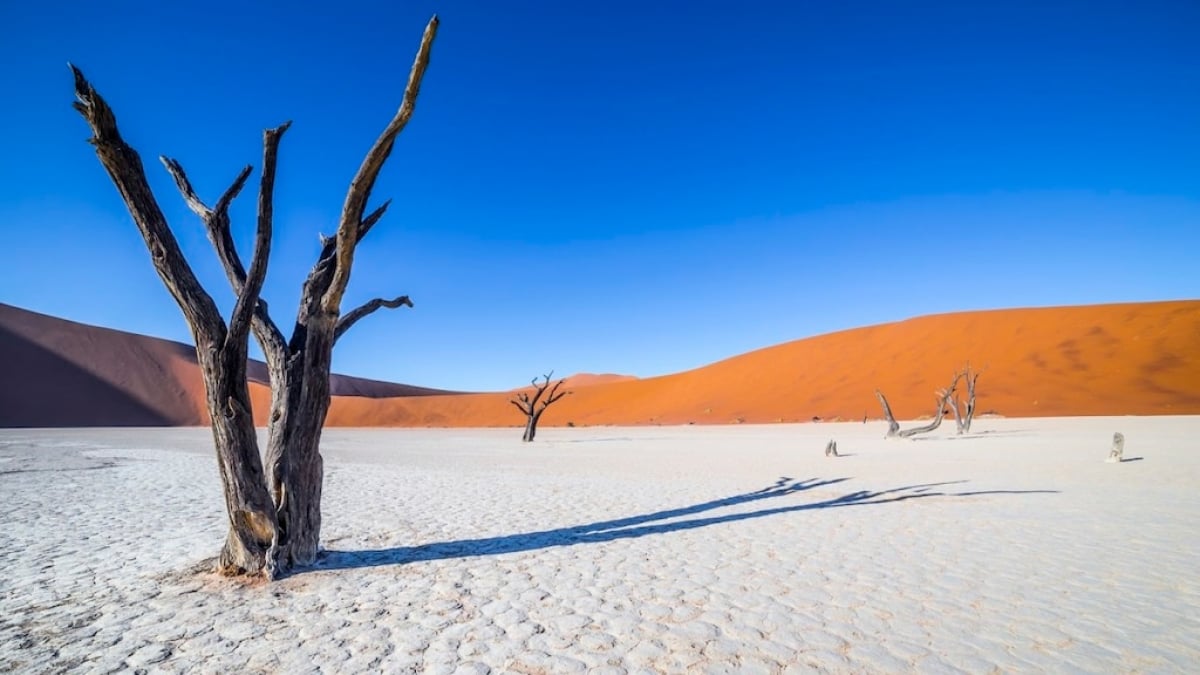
point(59, 373)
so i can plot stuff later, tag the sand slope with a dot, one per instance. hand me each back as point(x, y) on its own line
point(1118, 359)
point(60, 373)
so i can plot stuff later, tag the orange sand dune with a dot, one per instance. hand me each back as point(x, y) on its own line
point(1137, 359)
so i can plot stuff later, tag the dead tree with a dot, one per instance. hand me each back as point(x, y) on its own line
point(1117, 453)
point(964, 416)
point(831, 449)
point(274, 514)
point(943, 397)
point(534, 406)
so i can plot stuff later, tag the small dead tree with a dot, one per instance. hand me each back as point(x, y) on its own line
point(1117, 453)
point(964, 416)
point(534, 406)
point(831, 449)
point(274, 511)
point(943, 397)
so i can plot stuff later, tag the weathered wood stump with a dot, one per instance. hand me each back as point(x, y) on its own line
point(1117, 454)
point(831, 449)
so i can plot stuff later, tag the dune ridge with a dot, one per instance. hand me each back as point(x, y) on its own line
point(1114, 359)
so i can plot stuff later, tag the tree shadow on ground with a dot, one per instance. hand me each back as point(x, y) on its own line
point(642, 525)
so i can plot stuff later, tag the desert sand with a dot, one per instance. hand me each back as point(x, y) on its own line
point(608, 550)
point(1118, 359)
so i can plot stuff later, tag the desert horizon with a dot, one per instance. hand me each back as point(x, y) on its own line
point(1107, 359)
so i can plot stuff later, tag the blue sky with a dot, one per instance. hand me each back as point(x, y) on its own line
point(616, 186)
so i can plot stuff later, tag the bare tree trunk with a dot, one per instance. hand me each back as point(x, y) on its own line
point(893, 426)
point(971, 378)
point(247, 503)
point(296, 466)
point(959, 425)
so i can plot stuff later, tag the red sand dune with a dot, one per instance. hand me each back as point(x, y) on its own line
point(1121, 359)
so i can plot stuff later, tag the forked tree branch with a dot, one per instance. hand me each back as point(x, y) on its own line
point(352, 317)
point(124, 167)
point(553, 396)
point(528, 405)
point(367, 223)
point(364, 181)
point(217, 227)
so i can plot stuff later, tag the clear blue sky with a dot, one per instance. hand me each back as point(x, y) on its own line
point(621, 186)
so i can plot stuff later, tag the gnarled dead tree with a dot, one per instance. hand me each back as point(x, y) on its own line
point(943, 397)
point(534, 406)
point(274, 514)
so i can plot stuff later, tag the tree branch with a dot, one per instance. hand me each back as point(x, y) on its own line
point(552, 397)
point(124, 167)
point(370, 307)
point(217, 227)
point(243, 310)
point(364, 181)
point(365, 226)
point(893, 426)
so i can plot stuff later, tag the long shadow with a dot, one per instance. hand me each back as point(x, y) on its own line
point(639, 526)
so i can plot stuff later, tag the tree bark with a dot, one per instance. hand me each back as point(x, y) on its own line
point(251, 515)
point(972, 378)
point(959, 425)
point(893, 426)
point(530, 428)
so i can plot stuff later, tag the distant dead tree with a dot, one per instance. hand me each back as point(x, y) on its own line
point(964, 415)
point(1117, 453)
point(274, 503)
point(831, 449)
point(534, 406)
point(943, 396)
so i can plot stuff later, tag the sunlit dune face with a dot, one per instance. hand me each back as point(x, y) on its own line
point(1128, 359)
